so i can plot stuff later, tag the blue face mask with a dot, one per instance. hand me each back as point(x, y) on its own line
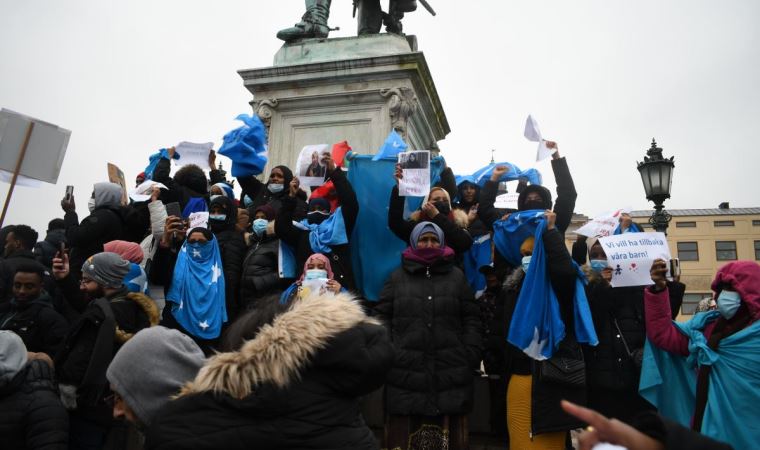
point(597, 265)
point(315, 274)
point(275, 188)
point(526, 263)
point(218, 217)
point(260, 226)
point(728, 303)
point(247, 201)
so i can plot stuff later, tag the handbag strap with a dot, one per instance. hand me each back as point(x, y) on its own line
point(622, 337)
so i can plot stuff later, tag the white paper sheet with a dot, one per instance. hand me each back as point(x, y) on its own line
point(415, 166)
point(533, 133)
point(309, 168)
point(317, 286)
point(603, 224)
point(142, 192)
point(506, 201)
point(631, 256)
point(192, 153)
point(198, 219)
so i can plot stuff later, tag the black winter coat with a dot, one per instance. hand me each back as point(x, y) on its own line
point(46, 249)
point(317, 410)
point(435, 327)
point(85, 239)
point(340, 256)
point(39, 325)
point(32, 414)
point(547, 416)
point(260, 275)
point(232, 250)
point(258, 192)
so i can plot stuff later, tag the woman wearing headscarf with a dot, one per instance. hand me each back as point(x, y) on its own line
point(221, 188)
point(436, 208)
point(222, 219)
point(273, 192)
point(706, 372)
point(287, 380)
point(136, 279)
point(260, 275)
point(435, 327)
point(196, 293)
point(316, 272)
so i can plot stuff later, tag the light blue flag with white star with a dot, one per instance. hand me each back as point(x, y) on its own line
point(393, 145)
point(197, 290)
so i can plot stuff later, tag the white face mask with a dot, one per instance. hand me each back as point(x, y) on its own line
point(91, 204)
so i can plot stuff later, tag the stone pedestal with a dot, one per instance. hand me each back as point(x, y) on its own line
point(322, 91)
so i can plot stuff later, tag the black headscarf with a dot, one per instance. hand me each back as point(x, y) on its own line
point(546, 198)
point(229, 209)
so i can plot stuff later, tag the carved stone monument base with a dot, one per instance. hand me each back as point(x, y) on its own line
point(322, 91)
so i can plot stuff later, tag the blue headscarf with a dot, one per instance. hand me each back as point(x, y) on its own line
point(195, 204)
point(197, 289)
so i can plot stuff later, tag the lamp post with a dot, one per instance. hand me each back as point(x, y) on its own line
point(657, 176)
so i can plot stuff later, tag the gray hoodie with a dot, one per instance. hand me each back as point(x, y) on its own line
point(152, 367)
point(107, 194)
point(12, 356)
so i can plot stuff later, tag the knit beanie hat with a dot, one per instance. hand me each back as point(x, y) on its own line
point(152, 367)
point(107, 269)
point(12, 355)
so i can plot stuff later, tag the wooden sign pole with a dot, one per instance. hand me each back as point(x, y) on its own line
point(19, 161)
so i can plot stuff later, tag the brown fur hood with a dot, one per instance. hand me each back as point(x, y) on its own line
point(146, 304)
point(281, 349)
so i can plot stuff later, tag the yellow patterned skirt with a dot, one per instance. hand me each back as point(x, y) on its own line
point(518, 419)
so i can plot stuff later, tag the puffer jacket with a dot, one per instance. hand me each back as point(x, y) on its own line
point(260, 275)
point(40, 326)
point(303, 377)
point(435, 327)
point(46, 249)
point(232, 249)
point(32, 414)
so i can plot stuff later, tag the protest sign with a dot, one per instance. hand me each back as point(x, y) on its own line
point(506, 201)
point(316, 286)
point(115, 175)
point(142, 192)
point(192, 153)
point(197, 219)
point(415, 167)
point(309, 168)
point(603, 224)
point(631, 255)
point(533, 133)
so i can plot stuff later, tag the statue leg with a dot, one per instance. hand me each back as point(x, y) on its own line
point(313, 24)
point(370, 17)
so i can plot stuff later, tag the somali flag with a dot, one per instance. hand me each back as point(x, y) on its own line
point(332, 231)
point(375, 250)
point(197, 290)
point(393, 145)
point(246, 147)
point(482, 175)
point(477, 256)
point(153, 162)
point(537, 327)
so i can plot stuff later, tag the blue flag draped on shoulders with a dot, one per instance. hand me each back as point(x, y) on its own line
point(537, 327)
point(332, 231)
point(153, 162)
point(477, 256)
point(197, 290)
point(393, 145)
point(482, 175)
point(668, 381)
point(375, 250)
point(246, 147)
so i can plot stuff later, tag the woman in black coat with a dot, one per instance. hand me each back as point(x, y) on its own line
point(294, 383)
point(221, 221)
point(260, 276)
point(272, 193)
point(435, 326)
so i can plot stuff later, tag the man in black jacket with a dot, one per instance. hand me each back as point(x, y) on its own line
point(19, 243)
point(319, 210)
point(32, 415)
point(46, 249)
point(30, 312)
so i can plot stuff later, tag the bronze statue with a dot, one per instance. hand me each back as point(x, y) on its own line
point(313, 24)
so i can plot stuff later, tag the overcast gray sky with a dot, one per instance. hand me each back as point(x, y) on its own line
point(601, 77)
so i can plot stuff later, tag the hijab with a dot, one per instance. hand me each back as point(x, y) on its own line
point(426, 256)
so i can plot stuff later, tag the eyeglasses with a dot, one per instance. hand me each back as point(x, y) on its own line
point(86, 281)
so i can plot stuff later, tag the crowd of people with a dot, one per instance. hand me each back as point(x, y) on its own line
point(131, 327)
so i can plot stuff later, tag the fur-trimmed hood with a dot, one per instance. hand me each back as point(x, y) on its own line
point(282, 349)
point(146, 304)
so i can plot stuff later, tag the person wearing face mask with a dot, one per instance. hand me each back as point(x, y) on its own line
point(222, 219)
point(613, 366)
point(706, 372)
point(273, 192)
point(104, 224)
point(322, 231)
point(436, 208)
point(260, 275)
point(317, 268)
point(435, 327)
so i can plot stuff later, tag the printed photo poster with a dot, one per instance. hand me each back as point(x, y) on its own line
point(115, 175)
point(603, 224)
point(309, 168)
point(631, 255)
point(315, 286)
point(415, 166)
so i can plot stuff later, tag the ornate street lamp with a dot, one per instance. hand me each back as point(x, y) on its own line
point(657, 176)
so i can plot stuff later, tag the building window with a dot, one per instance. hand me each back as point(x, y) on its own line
point(756, 223)
point(725, 250)
point(723, 223)
point(688, 251)
point(757, 250)
point(691, 301)
point(686, 224)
